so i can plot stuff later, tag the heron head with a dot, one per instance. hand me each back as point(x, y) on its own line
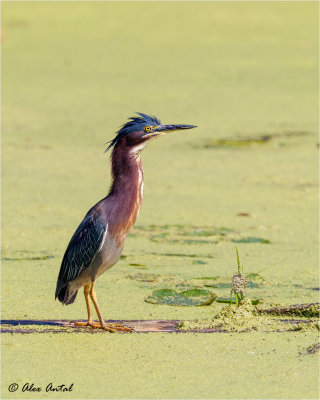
point(138, 130)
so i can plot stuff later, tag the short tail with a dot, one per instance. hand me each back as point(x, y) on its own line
point(64, 295)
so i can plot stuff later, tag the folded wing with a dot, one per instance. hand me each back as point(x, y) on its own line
point(81, 251)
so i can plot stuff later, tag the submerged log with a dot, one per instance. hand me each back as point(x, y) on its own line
point(310, 310)
point(63, 326)
point(139, 326)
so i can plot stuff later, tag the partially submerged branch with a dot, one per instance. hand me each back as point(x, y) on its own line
point(300, 310)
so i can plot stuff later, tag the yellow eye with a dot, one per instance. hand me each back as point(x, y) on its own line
point(147, 128)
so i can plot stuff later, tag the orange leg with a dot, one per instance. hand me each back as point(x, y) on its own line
point(86, 291)
point(89, 292)
point(103, 325)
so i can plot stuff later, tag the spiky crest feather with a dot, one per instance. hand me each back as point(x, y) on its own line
point(133, 124)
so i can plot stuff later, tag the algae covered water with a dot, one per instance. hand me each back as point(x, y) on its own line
point(246, 74)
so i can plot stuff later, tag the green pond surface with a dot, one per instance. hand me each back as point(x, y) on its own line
point(246, 74)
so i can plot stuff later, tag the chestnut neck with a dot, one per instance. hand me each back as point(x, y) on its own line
point(126, 192)
point(125, 168)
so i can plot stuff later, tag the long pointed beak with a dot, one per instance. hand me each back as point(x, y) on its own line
point(171, 128)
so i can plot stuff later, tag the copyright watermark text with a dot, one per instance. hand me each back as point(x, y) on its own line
point(31, 387)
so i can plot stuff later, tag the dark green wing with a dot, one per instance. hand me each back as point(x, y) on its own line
point(80, 252)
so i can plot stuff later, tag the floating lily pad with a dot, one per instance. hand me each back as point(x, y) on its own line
point(253, 284)
point(191, 297)
point(256, 278)
point(136, 265)
point(198, 262)
point(35, 258)
point(246, 141)
point(159, 236)
point(182, 255)
point(145, 277)
point(221, 285)
point(213, 278)
point(205, 232)
point(236, 142)
point(232, 301)
point(183, 234)
point(252, 240)
point(190, 241)
point(164, 292)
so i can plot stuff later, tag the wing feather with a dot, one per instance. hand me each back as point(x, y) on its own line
point(81, 251)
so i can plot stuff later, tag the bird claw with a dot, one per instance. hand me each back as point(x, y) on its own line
point(77, 323)
point(113, 327)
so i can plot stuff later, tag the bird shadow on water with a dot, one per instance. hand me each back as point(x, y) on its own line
point(33, 326)
point(15, 322)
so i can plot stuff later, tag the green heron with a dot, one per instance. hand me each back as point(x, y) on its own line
point(98, 241)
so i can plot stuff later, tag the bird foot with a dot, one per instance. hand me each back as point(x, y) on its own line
point(77, 323)
point(113, 327)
